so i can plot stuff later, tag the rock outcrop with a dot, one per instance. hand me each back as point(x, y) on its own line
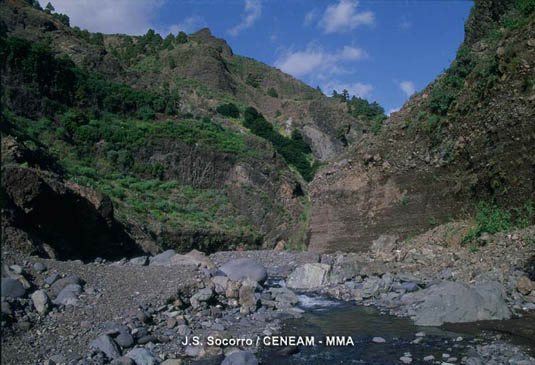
point(450, 147)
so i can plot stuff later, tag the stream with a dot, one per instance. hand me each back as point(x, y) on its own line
point(325, 317)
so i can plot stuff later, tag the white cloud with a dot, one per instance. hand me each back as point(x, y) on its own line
point(407, 87)
point(393, 111)
point(358, 89)
point(311, 16)
point(315, 59)
point(188, 25)
point(344, 16)
point(120, 16)
point(253, 10)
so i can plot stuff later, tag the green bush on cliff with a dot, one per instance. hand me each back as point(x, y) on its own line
point(228, 110)
point(294, 149)
point(492, 219)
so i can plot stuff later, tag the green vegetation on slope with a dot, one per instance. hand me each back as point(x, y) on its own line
point(294, 150)
point(95, 129)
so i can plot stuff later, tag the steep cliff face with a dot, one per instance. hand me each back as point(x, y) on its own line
point(468, 137)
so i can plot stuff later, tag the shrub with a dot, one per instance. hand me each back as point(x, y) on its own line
point(272, 92)
point(228, 110)
point(492, 219)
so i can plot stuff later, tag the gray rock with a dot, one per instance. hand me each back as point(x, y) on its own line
point(105, 344)
point(309, 276)
point(405, 359)
point(39, 267)
point(57, 359)
point(12, 288)
point(202, 295)
point(220, 283)
point(163, 258)
point(123, 360)
point(241, 269)
point(455, 302)
point(378, 340)
point(143, 357)
point(284, 298)
point(183, 330)
point(68, 295)
point(51, 279)
point(429, 358)
point(6, 308)
point(384, 246)
point(248, 301)
point(58, 286)
point(125, 340)
point(240, 358)
point(140, 261)
point(17, 269)
point(41, 302)
point(371, 287)
point(146, 339)
point(409, 287)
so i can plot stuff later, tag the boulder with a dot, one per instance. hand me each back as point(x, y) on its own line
point(453, 302)
point(284, 298)
point(525, 285)
point(140, 261)
point(12, 288)
point(69, 295)
point(240, 358)
point(309, 276)
point(220, 283)
point(241, 269)
point(163, 258)
point(105, 344)
point(202, 295)
point(248, 301)
point(143, 357)
point(41, 302)
point(58, 286)
point(125, 340)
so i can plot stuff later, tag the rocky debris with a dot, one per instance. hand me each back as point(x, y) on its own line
point(162, 258)
point(384, 246)
point(525, 285)
point(143, 356)
point(201, 296)
point(140, 261)
point(247, 299)
point(12, 288)
point(454, 302)
point(240, 358)
point(284, 298)
point(39, 267)
point(68, 295)
point(60, 284)
point(309, 276)
point(105, 344)
point(241, 269)
point(41, 301)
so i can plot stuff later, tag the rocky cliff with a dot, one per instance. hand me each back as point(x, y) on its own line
point(467, 137)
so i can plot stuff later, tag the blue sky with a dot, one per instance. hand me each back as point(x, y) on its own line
point(382, 50)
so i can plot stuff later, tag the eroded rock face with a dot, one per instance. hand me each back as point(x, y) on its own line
point(74, 221)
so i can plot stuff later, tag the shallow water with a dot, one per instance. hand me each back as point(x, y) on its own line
point(325, 317)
